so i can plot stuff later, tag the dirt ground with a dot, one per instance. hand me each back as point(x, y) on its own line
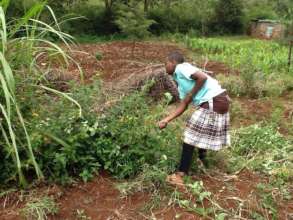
point(116, 60)
point(99, 199)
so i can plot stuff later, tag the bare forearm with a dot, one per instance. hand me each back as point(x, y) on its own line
point(179, 110)
point(200, 80)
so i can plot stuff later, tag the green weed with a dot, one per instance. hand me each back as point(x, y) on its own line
point(264, 149)
point(150, 179)
point(81, 215)
point(40, 208)
point(99, 56)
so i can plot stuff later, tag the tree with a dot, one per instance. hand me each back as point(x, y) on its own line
point(228, 16)
point(132, 21)
point(204, 10)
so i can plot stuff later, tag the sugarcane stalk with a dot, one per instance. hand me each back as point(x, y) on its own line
point(290, 54)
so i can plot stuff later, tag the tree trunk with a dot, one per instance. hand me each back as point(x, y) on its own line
point(108, 4)
point(146, 5)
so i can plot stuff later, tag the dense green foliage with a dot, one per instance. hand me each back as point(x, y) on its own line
point(264, 149)
point(131, 21)
point(20, 40)
point(262, 65)
point(196, 16)
point(121, 140)
point(228, 16)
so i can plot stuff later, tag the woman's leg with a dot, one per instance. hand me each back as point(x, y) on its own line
point(202, 153)
point(186, 158)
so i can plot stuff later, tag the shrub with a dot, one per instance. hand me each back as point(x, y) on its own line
point(178, 18)
point(128, 139)
point(122, 140)
point(234, 84)
point(132, 21)
point(95, 21)
point(228, 17)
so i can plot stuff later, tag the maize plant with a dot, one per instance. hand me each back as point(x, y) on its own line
point(266, 57)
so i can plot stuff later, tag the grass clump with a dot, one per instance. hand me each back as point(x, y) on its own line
point(40, 208)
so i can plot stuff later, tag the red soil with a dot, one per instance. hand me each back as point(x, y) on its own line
point(100, 200)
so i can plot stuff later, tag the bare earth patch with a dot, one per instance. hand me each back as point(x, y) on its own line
point(100, 200)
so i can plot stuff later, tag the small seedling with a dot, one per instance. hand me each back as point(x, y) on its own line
point(81, 215)
point(99, 55)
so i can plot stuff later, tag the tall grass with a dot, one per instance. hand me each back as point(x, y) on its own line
point(23, 41)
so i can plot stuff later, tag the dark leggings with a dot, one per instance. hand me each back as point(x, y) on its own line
point(186, 157)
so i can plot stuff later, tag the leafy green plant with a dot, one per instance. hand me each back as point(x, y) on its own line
point(99, 55)
point(234, 84)
point(40, 208)
point(129, 137)
point(264, 149)
point(122, 139)
point(267, 200)
point(24, 40)
point(197, 195)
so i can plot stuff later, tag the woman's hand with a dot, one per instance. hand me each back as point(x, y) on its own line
point(163, 124)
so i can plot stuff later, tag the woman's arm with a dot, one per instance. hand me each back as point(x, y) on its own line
point(200, 78)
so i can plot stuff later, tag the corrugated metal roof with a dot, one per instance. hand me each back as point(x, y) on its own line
point(266, 21)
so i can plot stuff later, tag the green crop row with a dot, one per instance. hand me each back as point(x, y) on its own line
point(262, 56)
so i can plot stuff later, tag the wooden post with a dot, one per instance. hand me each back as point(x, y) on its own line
point(290, 54)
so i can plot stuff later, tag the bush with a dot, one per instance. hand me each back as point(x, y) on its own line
point(132, 21)
point(178, 18)
point(233, 84)
point(96, 21)
point(228, 17)
point(129, 138)
point(122, 140)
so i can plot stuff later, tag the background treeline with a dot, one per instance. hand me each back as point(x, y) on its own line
point(103, 17)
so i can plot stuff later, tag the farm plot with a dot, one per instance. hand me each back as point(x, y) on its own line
point(252, 180)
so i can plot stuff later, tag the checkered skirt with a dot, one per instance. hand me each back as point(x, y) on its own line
point(208, 130)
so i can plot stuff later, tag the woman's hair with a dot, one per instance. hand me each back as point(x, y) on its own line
point(176, 56)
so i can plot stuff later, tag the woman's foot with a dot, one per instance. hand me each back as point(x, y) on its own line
point(204, 162)
point(176, 179)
